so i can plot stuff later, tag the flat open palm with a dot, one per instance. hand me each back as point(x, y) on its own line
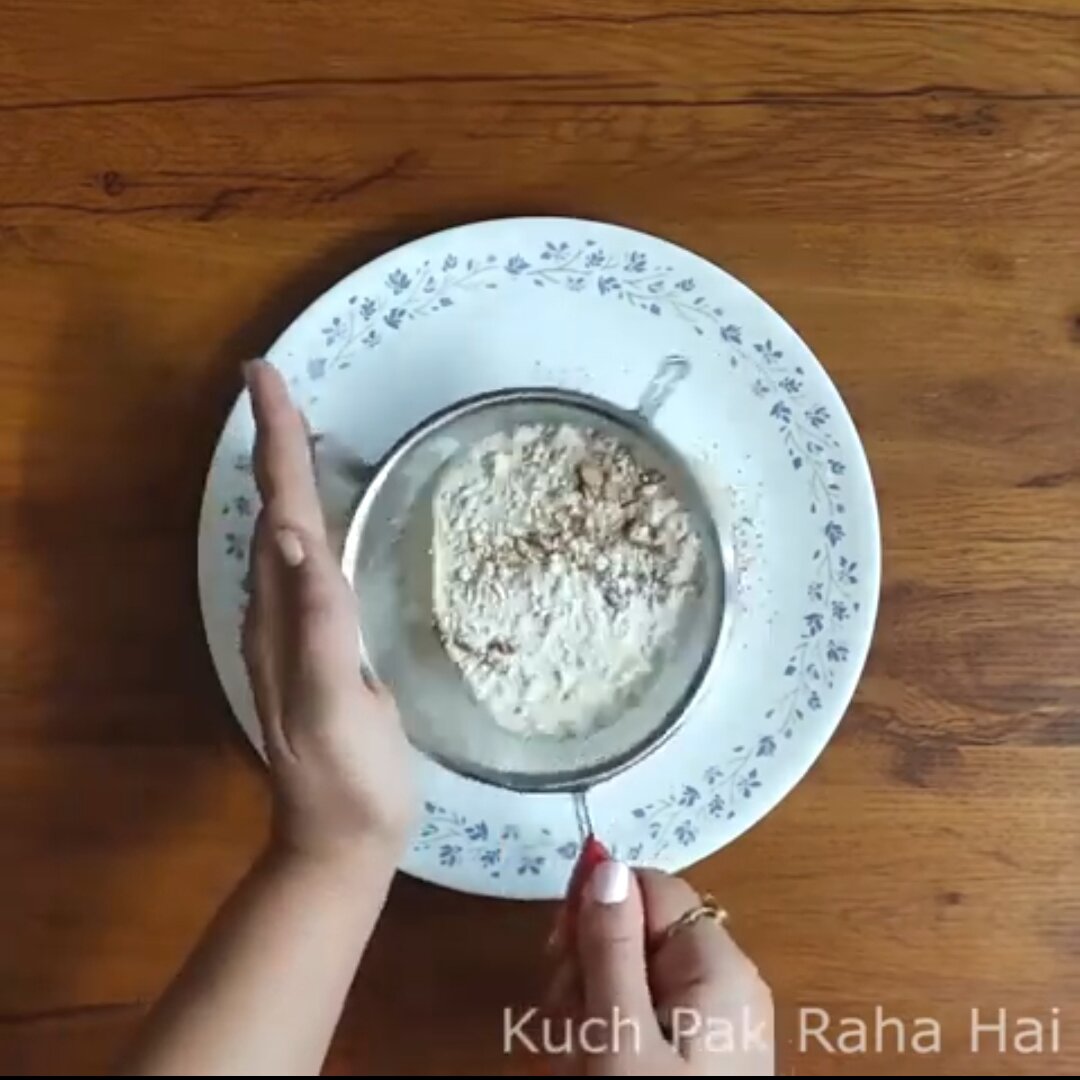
point(338, 757)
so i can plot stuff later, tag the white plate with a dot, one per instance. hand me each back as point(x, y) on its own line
point(596, 307)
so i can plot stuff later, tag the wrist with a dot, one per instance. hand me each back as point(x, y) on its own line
point(367, 862)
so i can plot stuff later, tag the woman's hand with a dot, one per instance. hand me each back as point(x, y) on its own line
point(646, 995)
point(262, 992)
point(338, 757)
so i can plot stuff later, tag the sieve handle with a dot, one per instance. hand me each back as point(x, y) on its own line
point(581, 811)
point(672, 370)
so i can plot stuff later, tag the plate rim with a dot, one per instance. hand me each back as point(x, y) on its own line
point(812, 745)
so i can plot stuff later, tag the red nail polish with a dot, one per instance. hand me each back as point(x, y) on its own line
point(593, 853)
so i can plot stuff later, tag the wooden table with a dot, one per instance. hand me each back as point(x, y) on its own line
point(901, 180)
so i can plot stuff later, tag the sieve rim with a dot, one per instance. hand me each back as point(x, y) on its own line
point(586, 777)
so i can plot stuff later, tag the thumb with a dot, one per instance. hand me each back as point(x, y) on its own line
point(611, 946)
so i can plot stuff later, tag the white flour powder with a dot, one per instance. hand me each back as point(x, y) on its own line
point(560, 569)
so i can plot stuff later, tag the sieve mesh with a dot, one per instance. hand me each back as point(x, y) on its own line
point(388, 557)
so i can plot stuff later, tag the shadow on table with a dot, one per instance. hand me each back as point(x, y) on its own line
point(131, 800)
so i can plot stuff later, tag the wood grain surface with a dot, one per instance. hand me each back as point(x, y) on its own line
point(901, 180)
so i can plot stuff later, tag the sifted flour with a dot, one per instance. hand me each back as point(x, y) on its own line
point(560, 569)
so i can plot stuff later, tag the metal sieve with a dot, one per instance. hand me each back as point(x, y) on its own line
point(387, 558)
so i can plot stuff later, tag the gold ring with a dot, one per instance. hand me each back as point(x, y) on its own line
point(707, 909)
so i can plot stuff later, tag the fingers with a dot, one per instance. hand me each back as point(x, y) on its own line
point(666, 899)
point(707, 944)
point(259, 645)
point(701, 978)
point(282, 457)
point(300, 635)
point(301, 638)
point(302, 619)
point(564, 1006)
point(611, 945)
point(561, 987)
point(320, 605)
